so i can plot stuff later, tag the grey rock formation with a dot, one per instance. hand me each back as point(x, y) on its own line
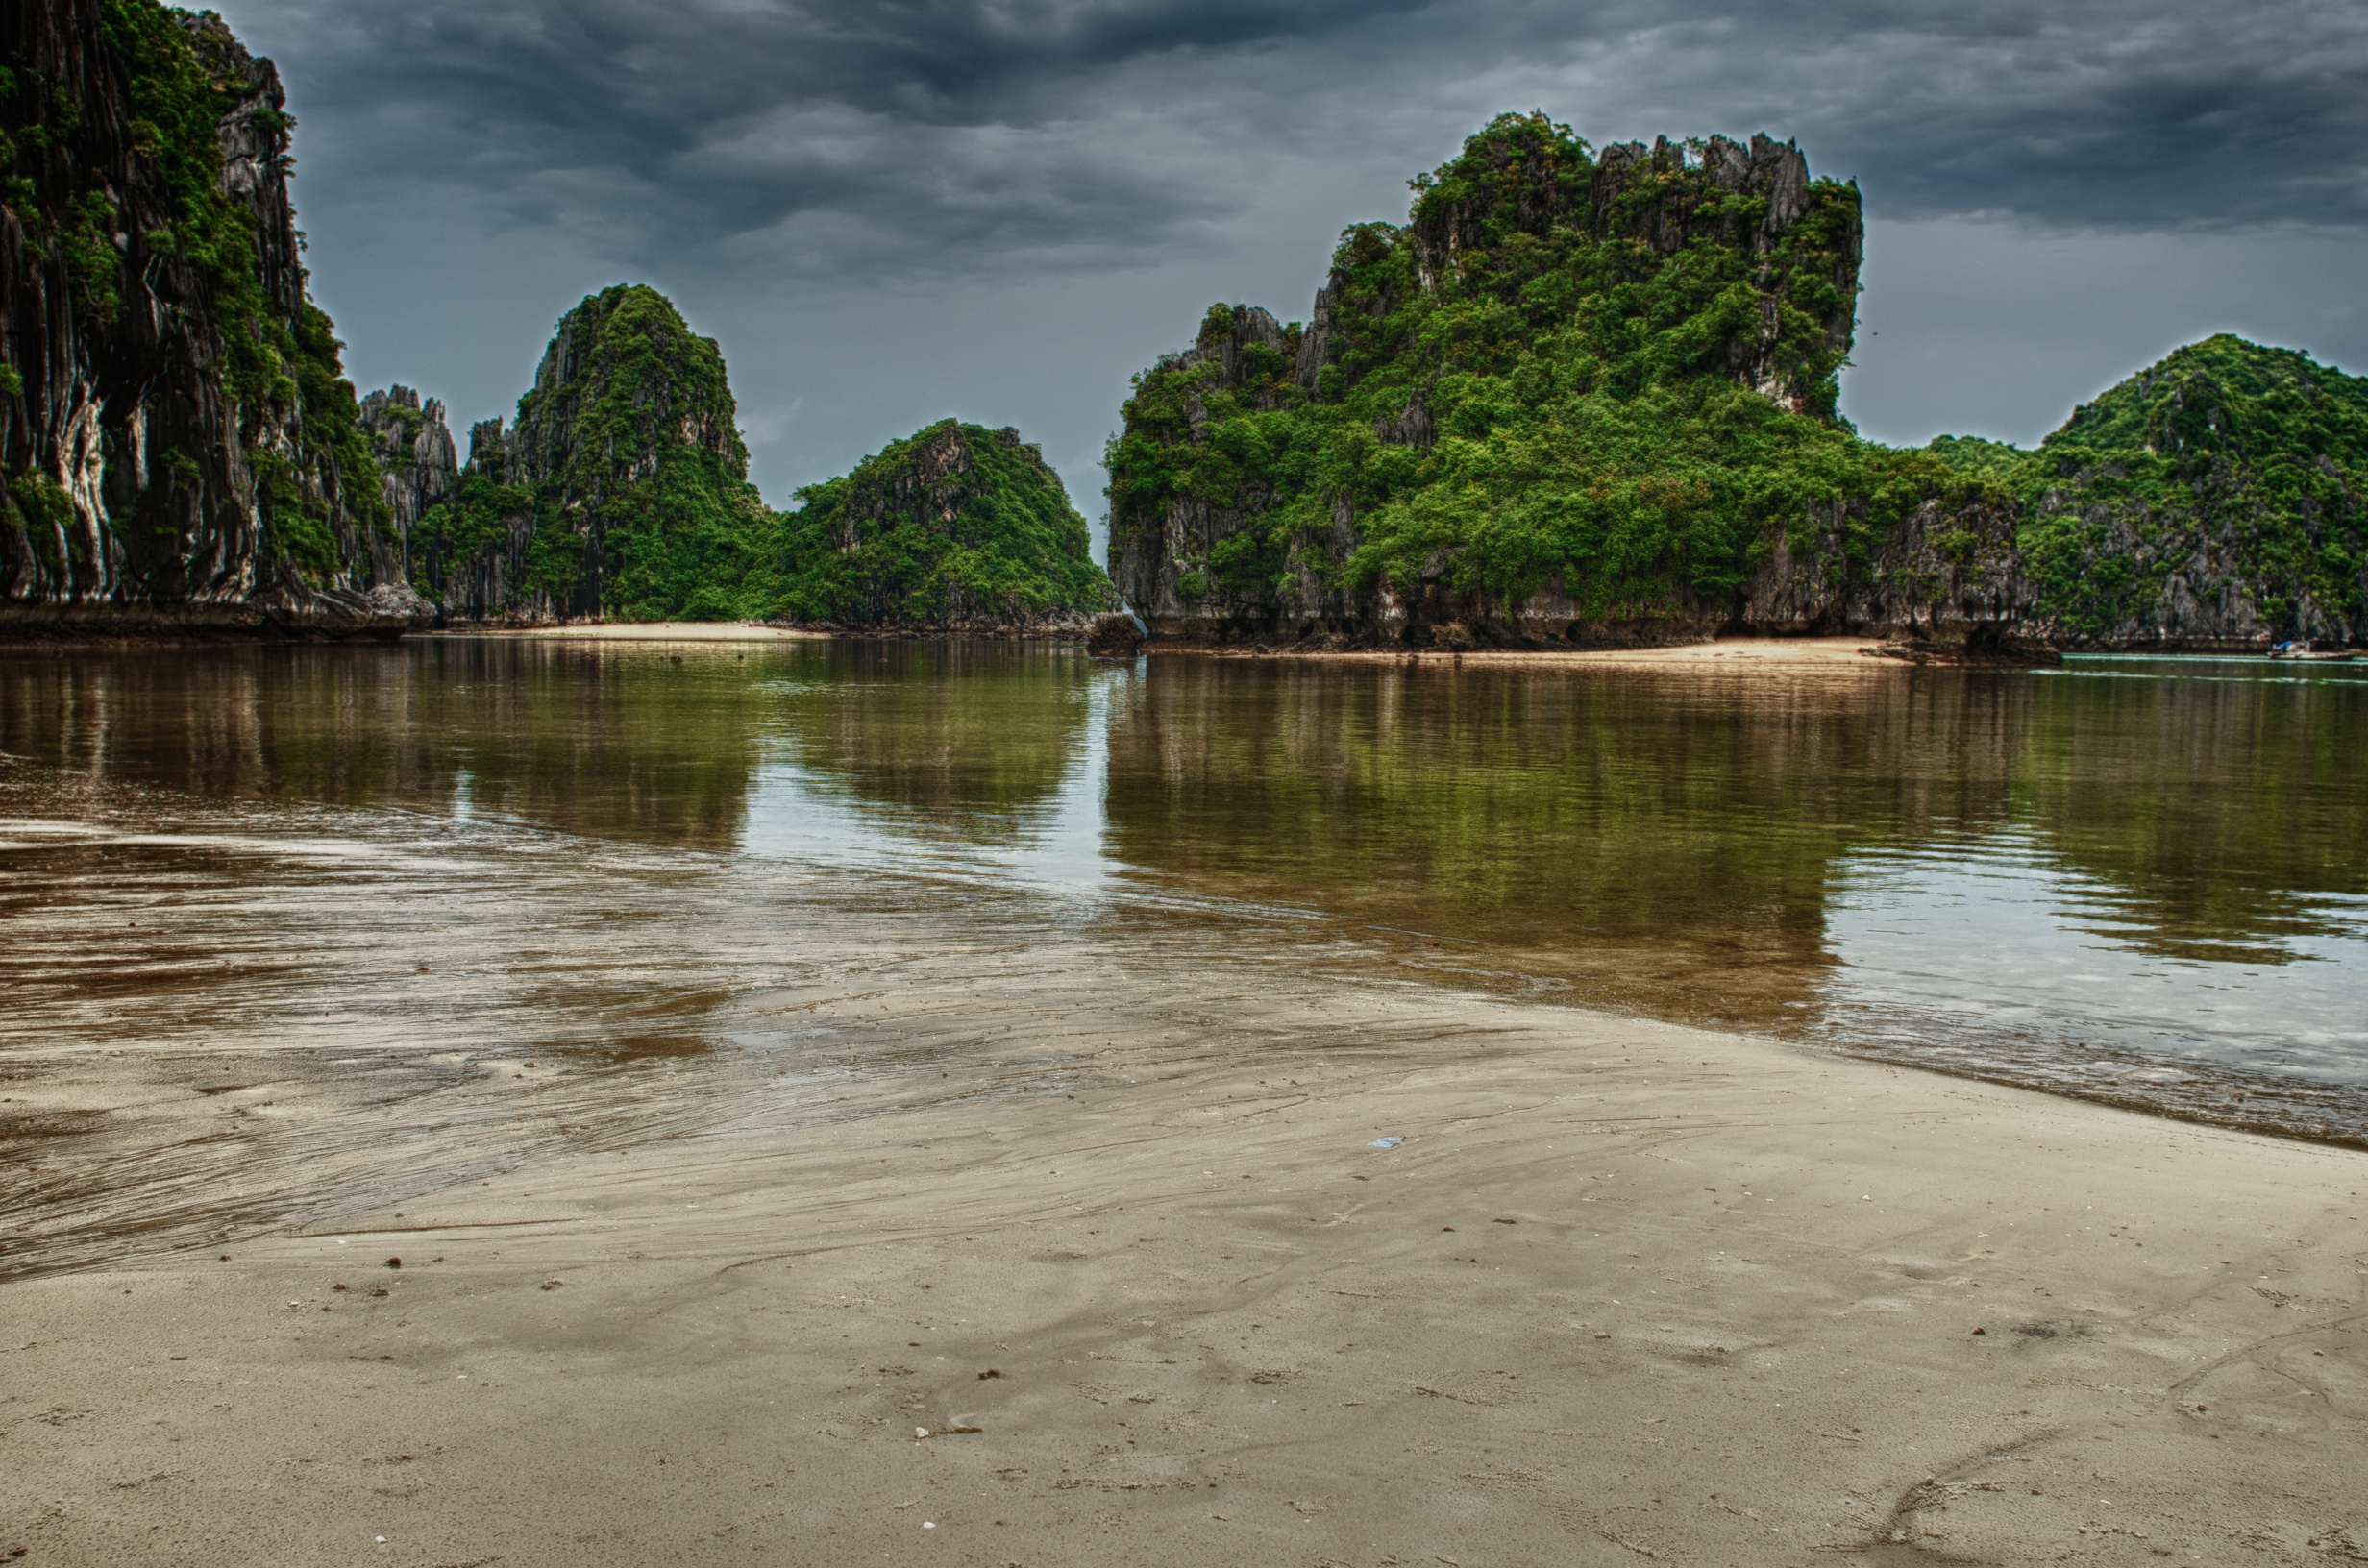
point(147, 483)
point(472, 554)
point(418, 466)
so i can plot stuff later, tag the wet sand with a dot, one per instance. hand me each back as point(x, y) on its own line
point(1626, 1292)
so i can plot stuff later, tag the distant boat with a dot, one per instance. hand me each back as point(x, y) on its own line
point(2304, 651)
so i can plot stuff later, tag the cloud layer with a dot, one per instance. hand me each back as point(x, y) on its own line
point(803, 137)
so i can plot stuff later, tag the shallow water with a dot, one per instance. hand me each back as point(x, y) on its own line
point(2142, 880)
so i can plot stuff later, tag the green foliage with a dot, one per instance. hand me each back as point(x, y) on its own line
point(1589, 420)
point(82, 238)
point(41, 501)
point(954, 522)
point(554, 557)
point(332, 419)
point(295, 408)
point(2247, 459)
point(471, 520)
point(1977, 457)
point(11, 383)
point(639, 448)
point(682, 543)
point(1606, 376)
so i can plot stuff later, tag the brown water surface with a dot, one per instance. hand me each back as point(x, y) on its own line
point(390, 876)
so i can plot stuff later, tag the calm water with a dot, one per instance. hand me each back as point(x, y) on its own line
point(2145, 880)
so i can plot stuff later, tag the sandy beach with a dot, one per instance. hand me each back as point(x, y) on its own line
point(1726, 653)
point(1737, 653)
point(644, 631)
point(1117, 1236)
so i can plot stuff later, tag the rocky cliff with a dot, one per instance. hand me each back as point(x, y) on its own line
point(956, 528)
point(179, 446)
point(620, 491)
point(1516, 416)
point(1588, 398)
point(2215, 500)
point(417, 462)
point(2212, 503)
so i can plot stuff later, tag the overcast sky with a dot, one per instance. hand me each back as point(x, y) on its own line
point(894, 210)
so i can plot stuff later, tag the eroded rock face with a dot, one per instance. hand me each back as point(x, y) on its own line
point(470, 552)
point(619, 489)
point(418, 465)
point(179, 447)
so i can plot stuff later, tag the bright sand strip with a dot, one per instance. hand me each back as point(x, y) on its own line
point(1736, 651)
point(1627, 1293)
point(646, 631)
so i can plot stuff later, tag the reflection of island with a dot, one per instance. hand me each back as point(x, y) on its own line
point(612, 741)
point(2227, 811)
point(1603, 830)
point(1669, 841)
point(964, 740)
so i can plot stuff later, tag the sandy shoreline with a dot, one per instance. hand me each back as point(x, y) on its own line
point(1626, 1292)
point(1738, 651)
point(1726, 652)
point(647, 631)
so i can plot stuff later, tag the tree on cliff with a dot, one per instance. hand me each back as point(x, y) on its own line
point(2224, 487)
point(1606, 373)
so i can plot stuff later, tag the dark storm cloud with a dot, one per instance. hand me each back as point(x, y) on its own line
point(2203, 115)
point(942, 129)
point(808, 135)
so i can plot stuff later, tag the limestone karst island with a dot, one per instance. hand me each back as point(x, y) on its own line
point(1508, 910)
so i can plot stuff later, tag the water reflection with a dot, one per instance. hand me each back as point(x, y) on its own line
point(653, 746)
point(2101, 870)
point(1657, 841)
point(969, 742)
point(2220, 801)
point(1683, 842)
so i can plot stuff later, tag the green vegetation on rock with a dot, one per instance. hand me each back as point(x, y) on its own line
point(1613, 374)
point(627, 453)
point(162, 329)
point(622, 491)
point(1590, 396)
point(956, 525)
point(188, 77)
point(2227, 462)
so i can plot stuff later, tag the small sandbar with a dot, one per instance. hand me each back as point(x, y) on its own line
point(646, 631)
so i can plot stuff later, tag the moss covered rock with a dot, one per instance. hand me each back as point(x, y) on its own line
point(1588, 398)
point(178, 445)
point(2215, 498)
point(955, 527)
point(1570, 391)
point(620, 492)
